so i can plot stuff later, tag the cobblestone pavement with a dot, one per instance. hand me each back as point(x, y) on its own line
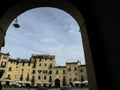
point(48, 89)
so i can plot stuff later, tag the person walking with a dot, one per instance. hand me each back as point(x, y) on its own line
point(28, 88)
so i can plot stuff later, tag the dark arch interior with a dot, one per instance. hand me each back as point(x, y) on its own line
point(57, 83)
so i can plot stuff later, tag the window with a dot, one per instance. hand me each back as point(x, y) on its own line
point(3, 64)
point(64, 80)
point(5, 56)
point(29, 63)
point(21, 77)
point(45, 64)
point(39, 71)
point(50, 66)
point(39, 59)
point(75, 68)
point(34, 64)
point(75, 79)
point(33, 77)
point(22, 70)
point(33, 72)
point(50, 78)
point(50, 59)
point(39, 77)
point(75, 74)
point(69, 69)
point(56, 71)
point(17, 63)
point(82, 78)
point(23, 64)
point(44, 77)
point(63, 77)
point(9, 76)
point(81, 70)
point(44, 71)
point(10, 69)
point(63, 71)
point(50, 72)
point(70, 79)
point(40, 64)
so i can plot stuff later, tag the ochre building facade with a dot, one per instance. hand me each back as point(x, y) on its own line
point(41, 70)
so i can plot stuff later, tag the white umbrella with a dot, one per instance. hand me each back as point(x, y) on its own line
point(77, 82)
point(85, 81)
point(19, 82)
point(7, 80)
point(38, 82)
point(27, 82)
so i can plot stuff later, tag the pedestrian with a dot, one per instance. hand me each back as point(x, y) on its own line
point(28, 88)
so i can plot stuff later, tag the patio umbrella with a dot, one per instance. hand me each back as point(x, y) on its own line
point(38, 82)
point(27, 82)
point(77, 82)
point(85, 81)
point(7, 80)
point(19, 82)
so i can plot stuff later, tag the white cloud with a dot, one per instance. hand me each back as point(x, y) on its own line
point(74, 30)
point(47, 40)
point(57, 49)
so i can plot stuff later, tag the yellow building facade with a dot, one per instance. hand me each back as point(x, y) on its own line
point(41, 70)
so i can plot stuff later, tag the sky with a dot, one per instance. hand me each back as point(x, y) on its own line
point(45, 30)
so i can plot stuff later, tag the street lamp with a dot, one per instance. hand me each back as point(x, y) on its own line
point(16, 25)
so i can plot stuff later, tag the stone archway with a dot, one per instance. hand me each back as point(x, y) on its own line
point(57, 83)
point(25, 5)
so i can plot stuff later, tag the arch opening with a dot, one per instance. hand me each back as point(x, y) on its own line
point(76, 14)
point(57, 83)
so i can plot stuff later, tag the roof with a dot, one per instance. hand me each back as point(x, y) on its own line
point(14, 60)
point(72, 62)
point(42, 56)
point(4, 53)
point(83, 65)
point(60, 67)
point(18, 60)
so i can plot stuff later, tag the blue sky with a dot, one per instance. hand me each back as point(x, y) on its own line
point(45, 31)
